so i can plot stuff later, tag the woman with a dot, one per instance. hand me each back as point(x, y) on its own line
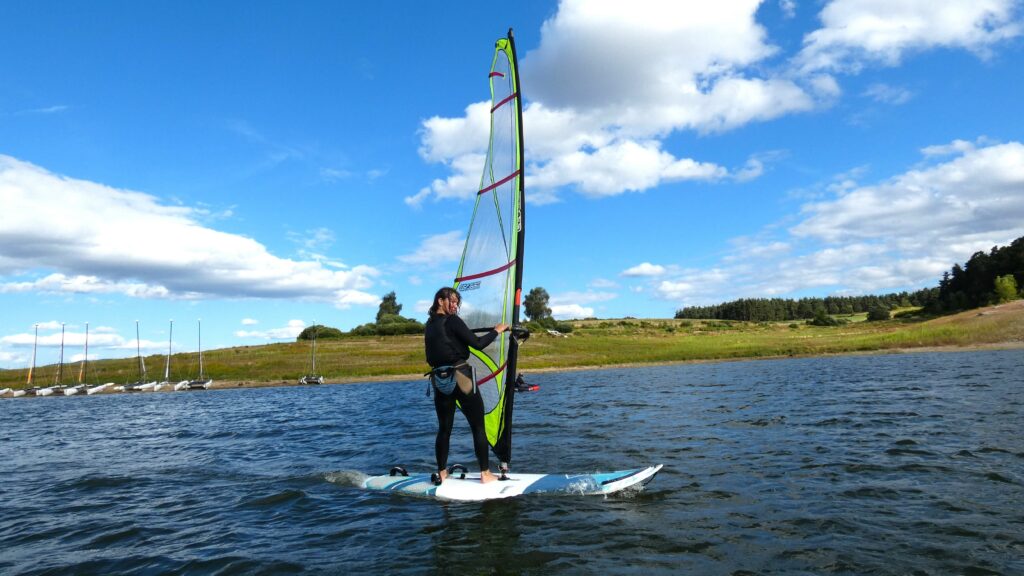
point(447, 341)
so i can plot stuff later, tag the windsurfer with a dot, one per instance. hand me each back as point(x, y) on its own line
point(447, 341)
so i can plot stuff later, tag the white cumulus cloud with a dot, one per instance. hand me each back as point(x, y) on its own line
point(571, 305)
point(857, 32)
point(608, 82)
point(71, 339)
point(886, 94)
point(290, 331)
point(50, 325)
point(979, 192)
point(644, 269)
point(588, 297)
point(13, 359)
point(788, 8)
point(571, 312)
point(625, 166)
point(73, 236)
point(901, 233)
point(436, 249)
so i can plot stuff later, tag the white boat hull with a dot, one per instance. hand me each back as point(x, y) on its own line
point(198, 385)
point(98, 389)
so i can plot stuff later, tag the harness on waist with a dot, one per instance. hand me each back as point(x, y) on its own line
point(445, 378)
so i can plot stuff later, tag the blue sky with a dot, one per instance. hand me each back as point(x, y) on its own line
point(262, 166)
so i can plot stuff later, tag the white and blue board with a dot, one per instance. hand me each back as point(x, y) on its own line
point(467, 487)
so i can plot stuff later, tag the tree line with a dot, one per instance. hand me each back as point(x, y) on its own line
point(985, 279)
point(784, 309)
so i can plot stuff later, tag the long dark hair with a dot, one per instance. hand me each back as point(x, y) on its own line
point(443, 294)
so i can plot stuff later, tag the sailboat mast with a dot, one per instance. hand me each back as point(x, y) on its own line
point(138, 353)
point(33, 367)
point(313, 357)
point(200, 323)
point(85, 359)
point(60, 363)
point(167, 367)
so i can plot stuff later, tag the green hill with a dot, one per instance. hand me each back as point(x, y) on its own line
point(593, 343)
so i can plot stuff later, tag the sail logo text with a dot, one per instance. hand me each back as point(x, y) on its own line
point(466, 286)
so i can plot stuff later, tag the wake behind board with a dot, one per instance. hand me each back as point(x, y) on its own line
point(467, 487)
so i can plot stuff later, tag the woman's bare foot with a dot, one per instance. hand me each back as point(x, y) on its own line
point(486, 476)
point(443, 475)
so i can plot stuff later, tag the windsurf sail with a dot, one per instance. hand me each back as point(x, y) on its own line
point(490, 274)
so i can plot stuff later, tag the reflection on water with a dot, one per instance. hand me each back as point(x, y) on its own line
point(870, 464)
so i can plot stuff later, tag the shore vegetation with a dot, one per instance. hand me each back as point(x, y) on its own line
point(592, 343)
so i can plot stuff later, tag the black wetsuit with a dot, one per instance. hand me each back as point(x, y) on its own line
point(447, 340)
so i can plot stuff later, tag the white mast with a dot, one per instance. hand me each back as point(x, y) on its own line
point(85, 359)
point(200, 323)
point(33, 367)
point(60, 364)
point(167, 367)
point(138, 352)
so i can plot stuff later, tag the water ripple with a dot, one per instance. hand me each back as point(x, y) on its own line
point(901, 464)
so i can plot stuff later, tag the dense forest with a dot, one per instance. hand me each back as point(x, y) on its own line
point(986, 278)
point(781, 309)
point(975, 283)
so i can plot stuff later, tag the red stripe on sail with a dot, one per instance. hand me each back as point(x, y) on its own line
point(499, 182)
point(505, 101)
point(493, 74)
point(492, 374)
point(488, 273)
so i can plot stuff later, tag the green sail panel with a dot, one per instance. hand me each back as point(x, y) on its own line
point(490, 272)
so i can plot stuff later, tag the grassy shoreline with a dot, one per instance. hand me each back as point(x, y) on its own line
point(592, 344)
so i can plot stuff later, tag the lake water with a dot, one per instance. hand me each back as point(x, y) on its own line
point(893, 464)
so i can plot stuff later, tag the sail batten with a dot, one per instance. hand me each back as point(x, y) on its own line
point(485, 379)
point(499, 182)
point(487, 273)
point(505, 101)
point(490, 270)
